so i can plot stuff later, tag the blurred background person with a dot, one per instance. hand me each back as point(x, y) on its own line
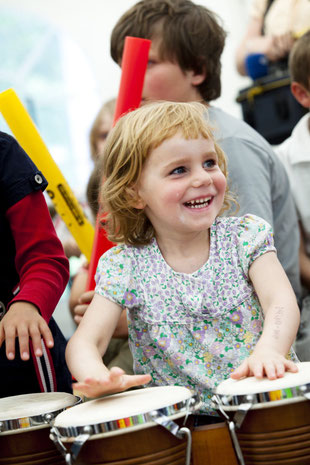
point(295, 154)
point(272, 30)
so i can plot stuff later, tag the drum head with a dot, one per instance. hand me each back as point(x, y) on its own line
point(252, 385)
point(123, 405)
point(30, 405)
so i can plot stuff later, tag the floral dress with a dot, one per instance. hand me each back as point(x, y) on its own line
point(193, 329)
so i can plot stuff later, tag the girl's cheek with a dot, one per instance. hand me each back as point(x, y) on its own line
point(173, 196)
point(222, 182)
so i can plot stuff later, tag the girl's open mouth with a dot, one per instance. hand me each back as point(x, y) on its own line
point(199, 203)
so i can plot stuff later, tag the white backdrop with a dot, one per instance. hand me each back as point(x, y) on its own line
point(89, 24)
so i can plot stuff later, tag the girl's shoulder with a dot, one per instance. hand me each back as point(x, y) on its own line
point(242, 231)
point(240, 225)
point(119, 251)
point(245, 237)
point(123, 253)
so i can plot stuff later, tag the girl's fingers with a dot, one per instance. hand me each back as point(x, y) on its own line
point(77, 319)
point(117, 381)
point(86, 297)
point(241, 371)
point(257, 370)
point(280, 370)
point(270, 371)
point(116, 372)
point(291, 366)
point(80, 309)
point(137, 380)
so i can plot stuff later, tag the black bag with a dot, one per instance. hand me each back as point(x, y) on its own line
point(270, 108)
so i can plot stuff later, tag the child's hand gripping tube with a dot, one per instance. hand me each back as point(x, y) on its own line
point(65, 202)
point(134, 63)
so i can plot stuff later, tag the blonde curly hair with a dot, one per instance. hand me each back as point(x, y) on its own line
point(128, 145)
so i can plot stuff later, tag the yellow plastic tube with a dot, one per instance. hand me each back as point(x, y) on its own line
point(65, 202)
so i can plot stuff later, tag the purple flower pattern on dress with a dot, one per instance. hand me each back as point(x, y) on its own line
point(190, 329)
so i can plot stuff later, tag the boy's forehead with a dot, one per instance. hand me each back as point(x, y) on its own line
point(162, 50)
point(156, 44)
point(156, 48)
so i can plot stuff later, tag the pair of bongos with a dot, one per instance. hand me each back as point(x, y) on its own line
point(268, 422)
point(138, 427)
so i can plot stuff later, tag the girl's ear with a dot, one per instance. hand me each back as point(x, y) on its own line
point(301, 94)
point(134, 199)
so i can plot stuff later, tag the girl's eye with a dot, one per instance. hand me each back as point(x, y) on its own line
point(178, 170)
point(103, 135)
point(209, 163)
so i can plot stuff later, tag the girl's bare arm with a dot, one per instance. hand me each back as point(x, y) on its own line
point(281, 323)
point(88, 344)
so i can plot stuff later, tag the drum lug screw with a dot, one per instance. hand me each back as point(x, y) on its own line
point(48, 417)
point(1, 426)
point(87, 430)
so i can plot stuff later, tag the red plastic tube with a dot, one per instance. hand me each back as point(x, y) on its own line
point(134, 63)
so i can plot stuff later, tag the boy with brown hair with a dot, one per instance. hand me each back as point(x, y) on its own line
point(184, 65)
point(295, 154)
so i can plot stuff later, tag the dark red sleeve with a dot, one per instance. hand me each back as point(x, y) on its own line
point(40, 260)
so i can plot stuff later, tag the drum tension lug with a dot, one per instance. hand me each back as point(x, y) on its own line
point(48, 417)
point(79, 441)
point(174, 429)
point(242, 412)
point(235, 441)
point(236, 423)
point(305, 391)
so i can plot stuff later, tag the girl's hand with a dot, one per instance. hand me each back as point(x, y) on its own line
point(82, 306)
point(24, 321)
point(113, 381)
point(264, 363)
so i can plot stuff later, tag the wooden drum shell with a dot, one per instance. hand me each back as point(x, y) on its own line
point(150, 446)
point(271, 417)
point(276, 434)
point(29, 447)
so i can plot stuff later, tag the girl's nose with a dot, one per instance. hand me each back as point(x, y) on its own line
point(201, 178)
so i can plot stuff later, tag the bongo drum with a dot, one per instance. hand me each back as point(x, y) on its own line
point(269, 420)
point(25, 422)
point(139, 427)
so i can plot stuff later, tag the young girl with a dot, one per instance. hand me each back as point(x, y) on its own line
point(195, 285)
point(101, 128)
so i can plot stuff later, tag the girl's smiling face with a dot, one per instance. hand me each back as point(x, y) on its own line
point(182, 187)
